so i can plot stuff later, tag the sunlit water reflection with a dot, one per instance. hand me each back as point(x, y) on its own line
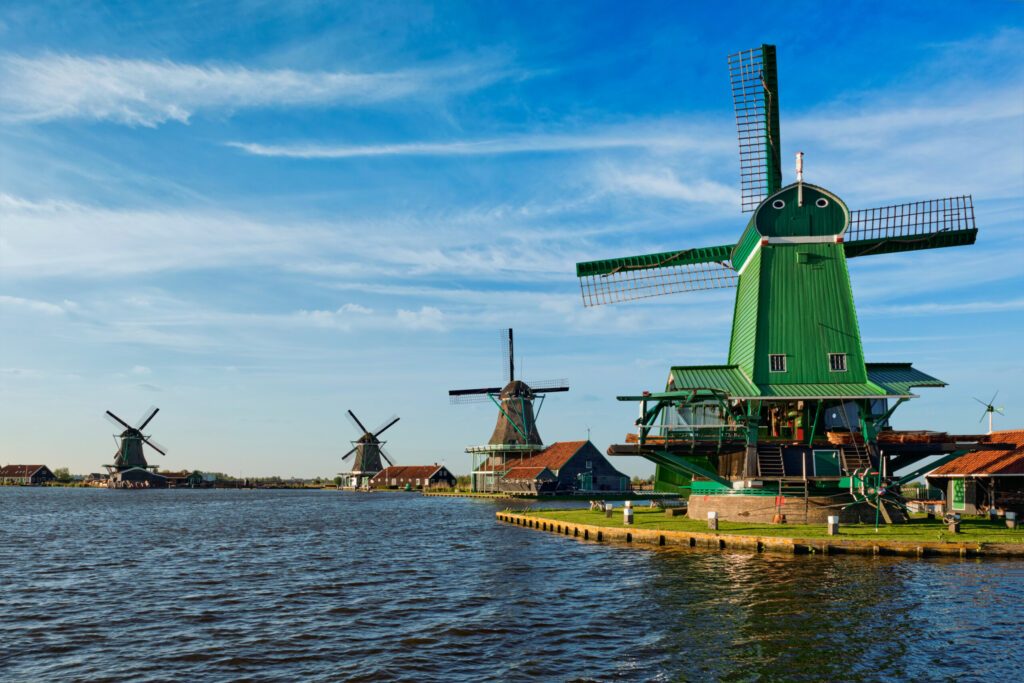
point(322, 585)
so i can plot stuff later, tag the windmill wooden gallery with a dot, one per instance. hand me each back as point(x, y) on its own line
point(796, 421)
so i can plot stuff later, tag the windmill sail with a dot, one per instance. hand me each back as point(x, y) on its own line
point(755, 96)
point(641, 277)
point(548, 385)
point(931, 224)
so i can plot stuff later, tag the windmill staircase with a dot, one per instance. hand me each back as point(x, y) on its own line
point(855, 457)
point(769, 462)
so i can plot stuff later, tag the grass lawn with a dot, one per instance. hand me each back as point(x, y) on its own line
point(917, 530)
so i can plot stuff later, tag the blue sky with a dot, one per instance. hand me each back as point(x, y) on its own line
point(258, 215)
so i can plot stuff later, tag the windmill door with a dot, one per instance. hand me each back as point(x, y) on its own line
point(826, 463)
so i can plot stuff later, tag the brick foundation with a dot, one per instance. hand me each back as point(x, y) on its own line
point(761, 509)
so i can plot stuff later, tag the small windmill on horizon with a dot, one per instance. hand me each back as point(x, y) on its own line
point(990, 410)
point(515, 434)
point(130, 469)
point(368, 450)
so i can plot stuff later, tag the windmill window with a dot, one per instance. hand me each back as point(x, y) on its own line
point(778, 204)
point(821, 203)
point(837, 362)
point(590, 464)
point(776, 362)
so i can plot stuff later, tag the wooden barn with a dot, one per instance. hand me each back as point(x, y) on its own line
point(977, 482)
point(576, 465)
point(25, 474)
point(415, 476)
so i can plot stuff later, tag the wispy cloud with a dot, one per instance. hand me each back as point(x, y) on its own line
point(36, 305)
point(148, 93)
point(664, 183)
point(966, 307)
point(665, 136)
point(56, 237)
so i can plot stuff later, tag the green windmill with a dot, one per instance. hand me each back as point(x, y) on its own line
point(796, 412)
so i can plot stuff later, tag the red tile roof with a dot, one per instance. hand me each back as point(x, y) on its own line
point(529, 473)
point(987, 463)
point(554, 456)
point(408, 472)
point(19, 470)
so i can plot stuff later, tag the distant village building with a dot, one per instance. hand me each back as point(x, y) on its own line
point(415, 476)
point(531, 480)
point(25, 474)
point(175, 479)
point(136, 477)
point(979, 481)
point(562, 467)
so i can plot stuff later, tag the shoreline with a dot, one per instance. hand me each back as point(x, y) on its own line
point(794, 544)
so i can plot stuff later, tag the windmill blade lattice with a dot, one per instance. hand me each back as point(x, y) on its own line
point(147, 417)
point(642, 277)
point(154, 445)
point(384, 454)
point(385, 425)
point(507, 354)
point(116, 421)
point(549, 385)
point(754, 79)
point(947, 222)
point(464, 399)
point(355, 422)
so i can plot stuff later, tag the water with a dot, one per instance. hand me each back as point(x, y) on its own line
point(328, 586)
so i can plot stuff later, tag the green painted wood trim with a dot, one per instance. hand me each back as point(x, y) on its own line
point(665, 259)
point(893, 245)
point(773, 144)
point(683, 466)
point(507, 417)
point(907, 478)
point(748, 242)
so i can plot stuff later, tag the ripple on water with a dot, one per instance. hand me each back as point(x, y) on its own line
point(328, 586)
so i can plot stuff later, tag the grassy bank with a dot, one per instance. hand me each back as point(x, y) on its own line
point(917, 530)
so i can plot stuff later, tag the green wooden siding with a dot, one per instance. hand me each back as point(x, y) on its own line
point(806, 313)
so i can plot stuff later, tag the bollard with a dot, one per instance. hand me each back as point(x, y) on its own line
point(627, 513)
point(608, 507)
point(713, 521)
point(1011, 519)
point(833, 525)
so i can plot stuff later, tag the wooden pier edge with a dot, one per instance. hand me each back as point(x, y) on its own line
point(792, 546)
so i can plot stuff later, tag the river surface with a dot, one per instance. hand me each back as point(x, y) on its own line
point(330, 586)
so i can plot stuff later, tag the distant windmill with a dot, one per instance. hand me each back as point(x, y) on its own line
point(990, 410)
point(368, 450)
point(515, 434)
point(129, 455)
